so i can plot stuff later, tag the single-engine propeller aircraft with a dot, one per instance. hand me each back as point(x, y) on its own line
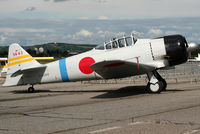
point(120, 57)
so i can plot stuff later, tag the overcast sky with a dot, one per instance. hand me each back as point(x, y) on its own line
point(30, 22)
point(99, 9)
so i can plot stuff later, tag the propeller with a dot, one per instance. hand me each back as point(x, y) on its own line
point(192, 47)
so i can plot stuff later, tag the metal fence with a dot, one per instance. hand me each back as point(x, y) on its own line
point(187, 68)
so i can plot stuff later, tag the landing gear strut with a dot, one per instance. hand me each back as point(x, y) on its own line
point(156, 83)
point(31, 89)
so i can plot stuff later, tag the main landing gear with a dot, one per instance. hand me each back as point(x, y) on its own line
point(156, 83)
point(31, 89)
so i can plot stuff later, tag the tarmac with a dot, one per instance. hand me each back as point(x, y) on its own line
point(100, 108)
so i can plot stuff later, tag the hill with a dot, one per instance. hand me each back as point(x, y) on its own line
point(56, 50)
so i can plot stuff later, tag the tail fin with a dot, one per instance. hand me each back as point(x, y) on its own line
point(18, 61)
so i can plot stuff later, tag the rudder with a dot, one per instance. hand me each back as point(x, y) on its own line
point(18, 60)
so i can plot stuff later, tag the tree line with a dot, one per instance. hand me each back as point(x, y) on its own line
point(56, 50)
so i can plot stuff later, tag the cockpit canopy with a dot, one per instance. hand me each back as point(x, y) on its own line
point(118, 43)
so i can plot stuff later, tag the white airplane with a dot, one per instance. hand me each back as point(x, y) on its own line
point(4, 64)
point(121, 57)
point(196, 59)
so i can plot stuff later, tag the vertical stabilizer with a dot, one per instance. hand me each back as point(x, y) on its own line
point(18, 60)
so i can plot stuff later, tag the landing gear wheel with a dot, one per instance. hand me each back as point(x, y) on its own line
point(155, 88)
point(31, 90)
point(164, 83)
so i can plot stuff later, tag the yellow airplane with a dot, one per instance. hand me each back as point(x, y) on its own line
point(4, 64)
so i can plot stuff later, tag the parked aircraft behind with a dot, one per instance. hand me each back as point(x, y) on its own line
point(120, 57)
point(196, 59)
point(4, 64)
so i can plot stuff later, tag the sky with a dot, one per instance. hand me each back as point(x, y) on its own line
point(99, 9)
point(31, 22)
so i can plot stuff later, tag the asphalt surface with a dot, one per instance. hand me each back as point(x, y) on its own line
point(114, 108)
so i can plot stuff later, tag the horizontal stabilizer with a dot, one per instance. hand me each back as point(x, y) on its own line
point(27, 70)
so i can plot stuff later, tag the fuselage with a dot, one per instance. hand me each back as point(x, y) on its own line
point(75, 68)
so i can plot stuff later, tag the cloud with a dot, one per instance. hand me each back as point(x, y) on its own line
point(138, 34)
point(31, 30)
point(93, 37)
point(150, 33)
point(91, 8)
point(83, 18)
point(83, 33)
point(2, 39)
point(194, 37)
point(156, 32)
point(102, 1)
point(57, 0)
point(60, 0)
point(40, 31)
point(103, 18)
point(30, 9)
point(171, 32)
point(105, 35)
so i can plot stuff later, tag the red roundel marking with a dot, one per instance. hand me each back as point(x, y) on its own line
point(84, 65)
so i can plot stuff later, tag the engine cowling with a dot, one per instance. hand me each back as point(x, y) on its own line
point(176, 49)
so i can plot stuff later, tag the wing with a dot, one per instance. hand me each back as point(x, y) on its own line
point(119, 68)
point(3, 59)
point(43, 58)
point(193, 60)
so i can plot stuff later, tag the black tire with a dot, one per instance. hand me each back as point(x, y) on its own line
point(155, 88)
point(31, 90)
point(164, 83)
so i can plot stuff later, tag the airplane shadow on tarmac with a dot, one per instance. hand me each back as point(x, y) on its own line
point(121, 92)
point(58, 91)
point(129, 91)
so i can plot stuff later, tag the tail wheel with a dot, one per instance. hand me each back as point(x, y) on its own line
point(31, 90)
point(155, 88)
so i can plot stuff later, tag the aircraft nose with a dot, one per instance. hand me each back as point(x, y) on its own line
point(192, 47)
point(176, 49)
